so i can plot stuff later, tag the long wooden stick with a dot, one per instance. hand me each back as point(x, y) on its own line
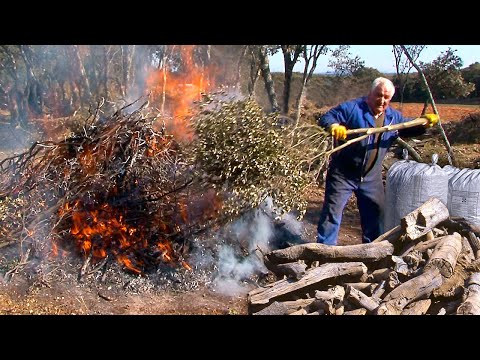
point(405, 125)
point(369, 131)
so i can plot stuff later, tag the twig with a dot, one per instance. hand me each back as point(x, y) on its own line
point(83, 269)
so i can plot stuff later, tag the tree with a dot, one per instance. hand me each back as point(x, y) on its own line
point(403, 66)
point(472, 74)
point(267, 76)
point(291, 55)
point(342, 62)
point(445, 78)
point(310, 55)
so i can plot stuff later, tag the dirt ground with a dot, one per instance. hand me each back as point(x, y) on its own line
point(33, 293)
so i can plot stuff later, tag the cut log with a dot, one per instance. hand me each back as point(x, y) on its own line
point(389, 275)
point(475, 244)
point(429, 244)
point(365, 287)
point(467, 249)
point(299, 312)
point(326, 253)
point(414, 260)
point(312, 276)
point(453, 287)
point(360, 299)
point(360, 311)
point(318, 312)
point(379, 275)
point(391, 235)
point(411, 245)
point(424, 219)
point(331, 301)
point(293, 270)
point(417, 288)
point(461, 226)
point(471, 305)
point(285, 307)
point(445, 254)
point(378, 292)
point(419, 307)
point(276, 308)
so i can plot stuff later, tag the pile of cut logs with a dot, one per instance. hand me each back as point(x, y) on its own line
point(429, 264)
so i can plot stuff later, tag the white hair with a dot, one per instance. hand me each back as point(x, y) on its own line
point(384, 82)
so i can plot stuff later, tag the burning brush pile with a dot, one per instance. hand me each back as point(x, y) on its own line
point(112, 191)
point(123, 190)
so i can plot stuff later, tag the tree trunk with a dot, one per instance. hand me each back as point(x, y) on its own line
point(32, 94)
point(130, 80)
point(290, 57)
point(83, 75)
point(267, 77)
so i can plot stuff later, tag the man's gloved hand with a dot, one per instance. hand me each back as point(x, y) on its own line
point(432, 119)
point(338, 131)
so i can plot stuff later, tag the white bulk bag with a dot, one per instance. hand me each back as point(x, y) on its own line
point(409, 185)
point(463, 195)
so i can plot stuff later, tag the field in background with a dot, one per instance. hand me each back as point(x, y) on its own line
point(447, 112)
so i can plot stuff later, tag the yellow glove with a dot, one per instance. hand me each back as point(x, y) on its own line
point(338, 131)
point(432, 119)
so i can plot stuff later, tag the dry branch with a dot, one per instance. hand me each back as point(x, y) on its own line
point(360, 299)
point(391, 235)
point(313, 276)
point(323, 253)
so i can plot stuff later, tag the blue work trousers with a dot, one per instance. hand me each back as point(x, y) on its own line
point(370, 196)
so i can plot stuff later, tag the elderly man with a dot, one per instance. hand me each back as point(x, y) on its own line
point(358, 167)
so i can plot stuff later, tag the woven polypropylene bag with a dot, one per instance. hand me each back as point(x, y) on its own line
point(464, 194)
point(409, 185)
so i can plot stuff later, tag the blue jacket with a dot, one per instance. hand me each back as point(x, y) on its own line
point(355, 114)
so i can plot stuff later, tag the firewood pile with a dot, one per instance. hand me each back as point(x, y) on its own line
point(116, 190)
point(429, 264)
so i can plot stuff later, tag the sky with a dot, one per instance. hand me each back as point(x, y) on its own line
point(381, 57)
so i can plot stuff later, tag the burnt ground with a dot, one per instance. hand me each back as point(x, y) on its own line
point(52, 286)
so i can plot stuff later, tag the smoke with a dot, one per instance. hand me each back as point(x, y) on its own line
point(233, 271)
point(244, 242)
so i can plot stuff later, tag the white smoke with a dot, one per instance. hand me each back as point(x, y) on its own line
point(255, 232)
point(233, 270)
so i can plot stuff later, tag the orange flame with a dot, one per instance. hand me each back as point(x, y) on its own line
point(181, 90)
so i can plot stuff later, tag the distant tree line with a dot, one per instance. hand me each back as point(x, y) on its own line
point(446, 78)
point(59, 79)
